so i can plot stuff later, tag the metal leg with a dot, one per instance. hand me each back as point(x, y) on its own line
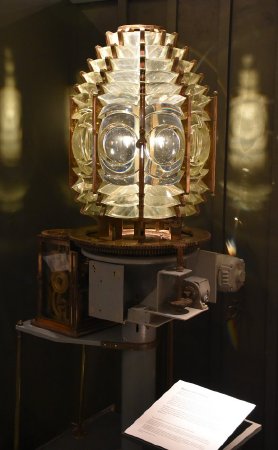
point(138, 378)
point(170, 354)
point(78, 429)
point(17, 390)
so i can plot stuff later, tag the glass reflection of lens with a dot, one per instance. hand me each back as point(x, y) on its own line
point(119, 145)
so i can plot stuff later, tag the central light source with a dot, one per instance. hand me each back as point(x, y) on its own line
point(143, 131)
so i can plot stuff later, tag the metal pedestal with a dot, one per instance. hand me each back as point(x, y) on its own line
point(138, 369)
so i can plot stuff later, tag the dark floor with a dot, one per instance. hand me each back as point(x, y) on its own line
point(101, 432)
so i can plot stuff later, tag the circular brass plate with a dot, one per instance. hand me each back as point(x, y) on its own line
point(156, 242)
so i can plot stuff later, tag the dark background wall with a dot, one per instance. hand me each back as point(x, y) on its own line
point(232, 349)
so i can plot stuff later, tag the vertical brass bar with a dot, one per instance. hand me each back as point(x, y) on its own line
point(175, 37)
point(114, 51)
point(169, 51)
point(175, 66)
point(213, 143)
point(185, 53)
point(17, 390)
point(71, 157)
point(120, 37)
point(163, 37)
point(142, 139)
point(95, 143)
point(188, 147)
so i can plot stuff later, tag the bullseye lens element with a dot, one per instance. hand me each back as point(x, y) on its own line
point(166, 146)
point(119, 145)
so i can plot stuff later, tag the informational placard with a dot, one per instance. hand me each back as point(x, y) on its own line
point(189, 417)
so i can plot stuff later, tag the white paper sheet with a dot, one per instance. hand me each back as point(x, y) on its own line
point(189, 417)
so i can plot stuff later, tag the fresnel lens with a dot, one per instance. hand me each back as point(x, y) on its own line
point(142, 136)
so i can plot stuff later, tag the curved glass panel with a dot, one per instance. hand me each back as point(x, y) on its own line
point(151, 200)
point(107, 99)
point(118, 108)
point(155, 180)
point(122, 88)
point(122, 212)
point(200, 145)
point(158, 212)
point(164, 98)
point(84, 169)
point(166, 190)
point(112, 189)
point(156, 51)
point(125, 64)
point(86, 197)
point(117, 118)
point(119, 179)
point(82, 185)
point(188, 210)
point(131, 76)
point(159, 65)
point(126, 200)
point(82, 142)
point(97, 64)
point(162, 88)
point(128, 51)
point(91, 209)
point(161, 77)
point(105, 51)
point(162, 109)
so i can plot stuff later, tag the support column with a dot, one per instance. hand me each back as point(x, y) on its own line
point(138, 382)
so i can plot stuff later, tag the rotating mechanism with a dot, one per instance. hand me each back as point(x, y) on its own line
point(59, 285)
point(195, 293)
point(59, 282)
point(156, 242)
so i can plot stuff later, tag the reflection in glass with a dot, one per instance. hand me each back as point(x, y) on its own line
point(10, 116)
point(248, 121)
point(12, 188)
point(247, 144)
